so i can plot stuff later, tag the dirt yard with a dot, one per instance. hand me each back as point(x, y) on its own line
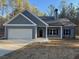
point(55, 49)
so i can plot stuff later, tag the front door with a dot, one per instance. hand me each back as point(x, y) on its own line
point(41, 33)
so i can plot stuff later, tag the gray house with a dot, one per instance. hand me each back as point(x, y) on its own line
point(28, 26)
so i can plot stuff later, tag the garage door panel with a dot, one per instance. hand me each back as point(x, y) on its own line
point(20, 34)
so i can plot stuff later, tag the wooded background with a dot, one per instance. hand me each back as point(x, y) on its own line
point(69, 11)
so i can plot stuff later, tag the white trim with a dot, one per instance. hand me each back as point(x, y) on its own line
point(46, 33)
point(19, 25)
point(10, 19)
point(54, 26)
point(38, 18)
point(5, 32)
point(67, 30)
point(53, 32)
point(6, 24)
point(61, 32)
point(36, 33)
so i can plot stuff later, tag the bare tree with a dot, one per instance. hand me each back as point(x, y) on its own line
point(50, 10)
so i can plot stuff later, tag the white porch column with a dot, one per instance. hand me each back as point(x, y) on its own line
point(61, 32)
point(5, 32)
point(36, 33)
point(46, 33)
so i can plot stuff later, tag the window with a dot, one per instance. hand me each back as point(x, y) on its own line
point(55, 32)
point(67, 31)
point(52, 32)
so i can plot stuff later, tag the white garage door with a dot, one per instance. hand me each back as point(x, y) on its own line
point(20, 34)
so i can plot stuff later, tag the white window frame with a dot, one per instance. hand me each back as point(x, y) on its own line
point(66, 32)
point(52, 32)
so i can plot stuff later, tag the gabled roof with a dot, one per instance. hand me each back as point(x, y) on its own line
point(34, 18)
point(27, 17)
point(47, 18)
point(66, 22)
point(19, 20)
point(60, 22)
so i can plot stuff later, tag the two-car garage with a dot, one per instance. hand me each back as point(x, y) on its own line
point(20, 27)
point(19, 33)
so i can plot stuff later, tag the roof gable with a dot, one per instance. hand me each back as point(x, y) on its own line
point(20, 19)
point(34, 18)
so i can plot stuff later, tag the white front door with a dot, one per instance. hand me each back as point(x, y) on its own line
point(20, 34)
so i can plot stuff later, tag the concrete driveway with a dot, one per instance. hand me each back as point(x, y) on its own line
point(7, 46)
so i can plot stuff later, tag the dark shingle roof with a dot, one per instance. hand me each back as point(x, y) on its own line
point(60, 22)
point(48, 19)
point(33, 18)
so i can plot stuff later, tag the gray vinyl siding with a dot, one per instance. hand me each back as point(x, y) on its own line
point(44, 31)
point(72, 34)
point(34, 19)
point(20, 20)
point(22, 27)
